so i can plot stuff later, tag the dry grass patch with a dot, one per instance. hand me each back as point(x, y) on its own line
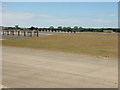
point(100, 45)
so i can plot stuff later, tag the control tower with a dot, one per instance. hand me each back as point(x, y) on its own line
point(16, 27)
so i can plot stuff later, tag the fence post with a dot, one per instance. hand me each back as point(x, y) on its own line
point(18, 33)
point(7, 32)
point(24, 33)
point(13, 33)
point(30, 33)
point(37, 33)
point(3, 32)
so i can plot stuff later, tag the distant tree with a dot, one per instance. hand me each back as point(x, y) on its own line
point(81, 29)
point(32, 28)
point(40, 29)
point(36, 28)
point(117, 29)
point(59, 28)
point(76, 28)
point(51, 28)
point(10, 28)
point(48, 29)
point(64, 29)
point(68, 29)
point(45, 29)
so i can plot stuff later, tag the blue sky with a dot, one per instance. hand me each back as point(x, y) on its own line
point(45, 14)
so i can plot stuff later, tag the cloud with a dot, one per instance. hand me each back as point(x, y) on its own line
point(25, 19)
point(103, 21)
point(12, 18)
point(22, 15)
point(113, 15)
point(108, 15)
point(28, 19)
point(67, 21)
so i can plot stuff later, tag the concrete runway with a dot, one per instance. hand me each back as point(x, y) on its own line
point(28, 68)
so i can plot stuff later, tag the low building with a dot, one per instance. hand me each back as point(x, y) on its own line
point(3, 28)
point(108, 31)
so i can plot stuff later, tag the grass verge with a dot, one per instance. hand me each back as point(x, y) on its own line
point(96, 45)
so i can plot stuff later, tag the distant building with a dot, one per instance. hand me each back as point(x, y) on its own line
point(16, 27)
point(3, 28)
point(108, 31)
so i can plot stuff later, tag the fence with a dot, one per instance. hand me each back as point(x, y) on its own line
point(21, 33)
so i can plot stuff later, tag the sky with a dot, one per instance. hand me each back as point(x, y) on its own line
point(68, 14)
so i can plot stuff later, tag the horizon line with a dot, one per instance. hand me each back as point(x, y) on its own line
point(57, 26)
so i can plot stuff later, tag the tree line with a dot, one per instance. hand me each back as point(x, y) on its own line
point(67, 29)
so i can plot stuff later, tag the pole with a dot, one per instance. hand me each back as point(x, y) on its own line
point(18, 33)
point(13, 33)
point(3, 32)
point(24, 33)
point(7, 32)
point(37, 33)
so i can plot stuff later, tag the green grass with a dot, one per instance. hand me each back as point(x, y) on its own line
point(105, 46)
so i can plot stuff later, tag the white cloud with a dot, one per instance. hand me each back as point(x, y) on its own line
point(67, 20)
point(28, 19)
point(103, 21)
point(12, 18)
point(40, 20)
point(22, 15)
point(113, 15)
